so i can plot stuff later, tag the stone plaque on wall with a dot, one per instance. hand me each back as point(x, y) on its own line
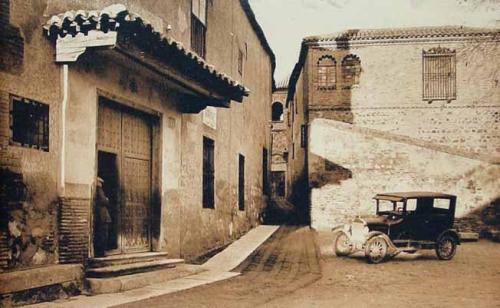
point(210, 117)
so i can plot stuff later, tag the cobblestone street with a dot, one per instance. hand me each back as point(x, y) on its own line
point(285, 272)
point(285, 263)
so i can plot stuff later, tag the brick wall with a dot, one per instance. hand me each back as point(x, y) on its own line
point(380, 135)
point(389, 94)
point(350, 165)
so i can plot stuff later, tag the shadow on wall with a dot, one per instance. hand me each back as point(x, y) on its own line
point(330, 173)
point(483, 219)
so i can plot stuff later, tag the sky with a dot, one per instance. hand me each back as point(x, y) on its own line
point(286, 22)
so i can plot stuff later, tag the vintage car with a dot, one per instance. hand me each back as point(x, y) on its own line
point(404, 222)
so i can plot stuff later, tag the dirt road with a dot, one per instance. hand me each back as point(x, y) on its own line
point(286, 272)
point(471, 279)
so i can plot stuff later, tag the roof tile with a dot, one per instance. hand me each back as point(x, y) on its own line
point(403, 33)
point(110, 19)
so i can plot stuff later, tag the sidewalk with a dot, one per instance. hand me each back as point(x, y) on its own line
point(216, 269)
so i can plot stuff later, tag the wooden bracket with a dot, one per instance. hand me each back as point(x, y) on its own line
point(69, 48)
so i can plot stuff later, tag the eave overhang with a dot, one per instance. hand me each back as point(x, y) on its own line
point(115, 28)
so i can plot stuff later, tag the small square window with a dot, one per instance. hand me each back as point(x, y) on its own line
point(29, 123)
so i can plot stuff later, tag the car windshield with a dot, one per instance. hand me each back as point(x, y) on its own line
point(389, 207)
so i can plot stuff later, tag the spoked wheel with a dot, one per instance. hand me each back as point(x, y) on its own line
point(343, 245)
point(376, 249)
point(446, 247)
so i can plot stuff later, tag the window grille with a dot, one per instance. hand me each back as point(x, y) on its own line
point(208, 173)
point(351, 69)
point(198, 26)
point(303, 136)
point(326, 73)
point(29, 123)
point(439, 74)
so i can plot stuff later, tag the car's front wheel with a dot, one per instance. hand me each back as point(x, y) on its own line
point(343, 245)
point(376, 249)
point(446, 247)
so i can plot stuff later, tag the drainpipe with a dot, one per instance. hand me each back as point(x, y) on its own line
point(64, 103)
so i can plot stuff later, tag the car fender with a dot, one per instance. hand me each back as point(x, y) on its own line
point(337, 229)
point(452, 232)
point(392, 248)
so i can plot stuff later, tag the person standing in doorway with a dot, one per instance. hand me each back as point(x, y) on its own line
point(102, 219)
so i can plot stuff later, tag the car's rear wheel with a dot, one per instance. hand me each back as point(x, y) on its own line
point(376, 249)
point(343, 245)
point(446, 247)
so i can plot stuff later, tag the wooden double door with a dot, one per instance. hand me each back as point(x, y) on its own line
point(124, 150)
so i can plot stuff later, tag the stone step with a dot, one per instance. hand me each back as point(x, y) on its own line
point(131, 268)
point(135, 281)
point(126, 259)
point(45, 283)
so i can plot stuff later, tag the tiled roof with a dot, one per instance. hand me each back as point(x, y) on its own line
point(283, 84)
point(404, 33)
point(116, 16)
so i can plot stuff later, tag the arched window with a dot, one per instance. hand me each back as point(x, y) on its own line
point(326, 73)
point(277, 111)
point(351, 69)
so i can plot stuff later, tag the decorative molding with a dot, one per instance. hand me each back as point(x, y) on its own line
point(401, 41)
point(326, 57)
point(439, 51)
point(350, 57)
point(351, 108)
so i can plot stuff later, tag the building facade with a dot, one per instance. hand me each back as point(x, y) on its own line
point(280, 143)
point(400, 110)
point(288, 164)
point(167, 103)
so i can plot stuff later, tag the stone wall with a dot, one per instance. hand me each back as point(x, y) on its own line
point(349, 165)
point(28, 231)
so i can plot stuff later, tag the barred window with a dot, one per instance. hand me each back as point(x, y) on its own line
point(198, 26)
point(439, 74)
point(351, 69)
point(303, 136)
point(29, 123)
point(326, 73)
